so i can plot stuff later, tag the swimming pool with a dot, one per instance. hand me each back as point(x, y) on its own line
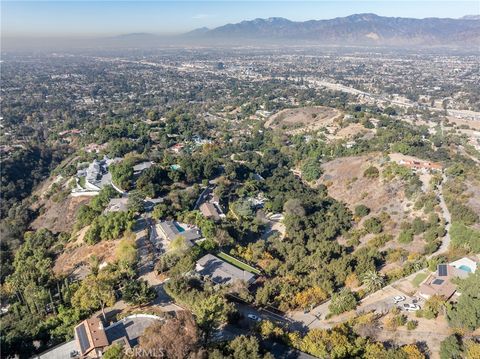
point(180, 229)
point(465, 268)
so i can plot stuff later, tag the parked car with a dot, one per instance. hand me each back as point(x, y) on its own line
point(254, 317)
point(410, 307)
point(398, 299)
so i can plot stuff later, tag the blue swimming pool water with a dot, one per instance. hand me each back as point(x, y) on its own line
point(465, 268)
point(180, 229)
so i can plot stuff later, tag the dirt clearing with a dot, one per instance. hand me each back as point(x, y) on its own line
point(304, 119)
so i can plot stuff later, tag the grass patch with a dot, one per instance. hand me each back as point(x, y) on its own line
point(237, 263)
point(81, 182)
point(419, 278)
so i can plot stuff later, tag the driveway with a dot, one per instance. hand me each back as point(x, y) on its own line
point(447, 217)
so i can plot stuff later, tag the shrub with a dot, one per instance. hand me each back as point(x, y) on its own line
point(371, 172)
point(373, 225)
point(361, 210)
point(405, 236)
point(418, 226)
point(412, 324)
point(465, 237)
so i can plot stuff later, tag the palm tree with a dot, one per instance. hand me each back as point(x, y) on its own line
point(372, 280)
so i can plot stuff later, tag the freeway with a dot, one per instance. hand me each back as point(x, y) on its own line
point(464, 114)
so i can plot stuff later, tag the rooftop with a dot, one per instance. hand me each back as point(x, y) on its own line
point(172, 230)
point(90, 334)
point(210, 211)
point(220, 271)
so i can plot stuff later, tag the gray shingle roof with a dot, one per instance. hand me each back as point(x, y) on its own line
point(220, 271)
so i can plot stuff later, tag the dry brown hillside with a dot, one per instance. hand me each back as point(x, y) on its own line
point(329, 121)
point(305, 118)
point(59, 216)
point(346, 182)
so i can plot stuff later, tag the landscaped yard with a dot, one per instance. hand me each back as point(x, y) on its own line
point(419, 278)
point(81, 182)
point(237, 263)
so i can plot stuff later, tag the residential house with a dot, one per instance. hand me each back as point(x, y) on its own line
point(91, 337)
point(140, 167)
point(170, 230)
point(210, 211)
point(421, 165)
point(221, 272)
point(96, 176)
point(440, 283)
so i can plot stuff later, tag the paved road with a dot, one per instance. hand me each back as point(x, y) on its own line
point(380, 301)
point(447, 217)
point(246, 309)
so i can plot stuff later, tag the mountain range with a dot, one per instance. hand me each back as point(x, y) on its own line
point(365, 30)
point(358, 29)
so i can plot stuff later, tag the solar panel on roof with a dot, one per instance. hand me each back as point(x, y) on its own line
point(82, 338)
point(437, 281)
point(442, 270)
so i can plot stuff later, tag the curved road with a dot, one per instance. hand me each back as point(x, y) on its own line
point(447, 217)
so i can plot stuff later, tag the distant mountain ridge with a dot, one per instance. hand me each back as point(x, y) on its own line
point(358, 29)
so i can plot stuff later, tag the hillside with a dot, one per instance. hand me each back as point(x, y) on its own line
point(386, 198)
point(357, 29)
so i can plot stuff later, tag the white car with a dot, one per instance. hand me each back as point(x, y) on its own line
point(410, 307)
point(254, 317)
point(398, 299)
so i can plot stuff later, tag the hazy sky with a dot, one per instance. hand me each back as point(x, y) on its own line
point(67, 18)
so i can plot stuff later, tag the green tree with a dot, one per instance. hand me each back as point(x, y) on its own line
point(451, 348)
point(179, 244)
point(373, 281)
point(465, 237)
point(122, 175)
point(211, 312)
point(466, 312)
point(114, 351)
point(61, 325)
point(95, 292)
point(294, 207)
point(342, 301)
point(161, 211)
point(244, 347)
point(138, 292)
point(311, 170)
point(135, 202)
